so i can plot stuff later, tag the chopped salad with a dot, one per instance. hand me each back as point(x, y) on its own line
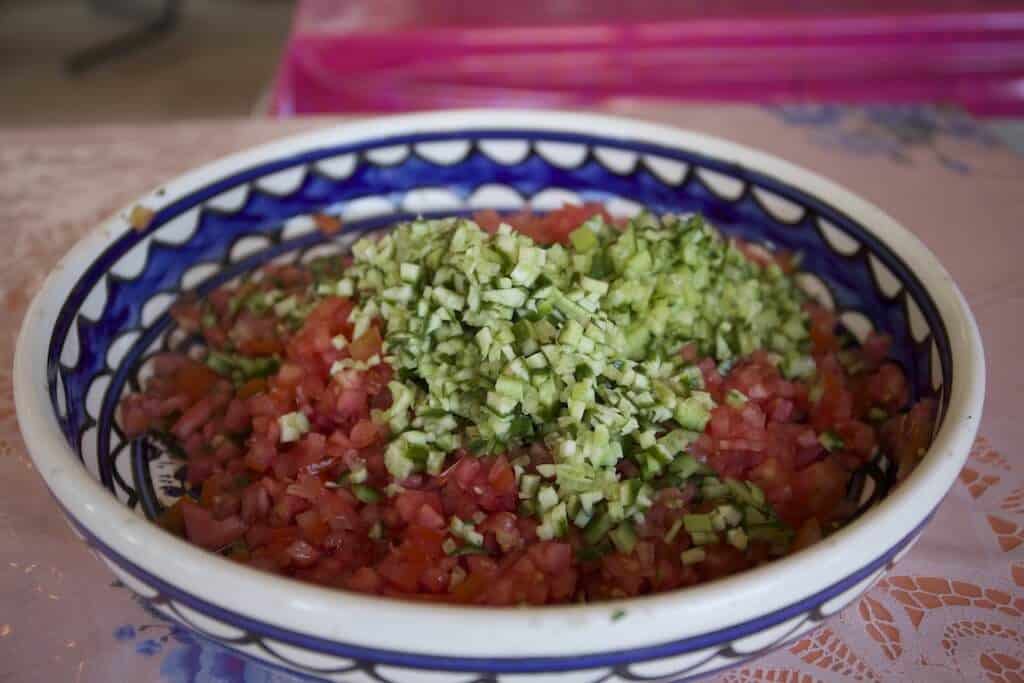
point(522, 409)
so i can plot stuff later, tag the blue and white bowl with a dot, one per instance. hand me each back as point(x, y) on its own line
point(103, 312)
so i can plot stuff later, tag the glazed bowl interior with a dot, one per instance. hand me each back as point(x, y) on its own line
point(103, 314)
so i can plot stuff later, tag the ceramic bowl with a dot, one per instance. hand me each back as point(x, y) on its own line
point(102, 314)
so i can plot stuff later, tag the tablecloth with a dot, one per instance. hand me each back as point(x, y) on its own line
point(951, 610)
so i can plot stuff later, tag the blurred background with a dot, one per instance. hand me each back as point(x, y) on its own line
point(98, 61)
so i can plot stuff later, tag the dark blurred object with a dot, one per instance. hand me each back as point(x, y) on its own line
point(387, 55)
point(157, 24)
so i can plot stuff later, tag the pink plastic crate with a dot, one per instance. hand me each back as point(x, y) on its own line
point(391, 55)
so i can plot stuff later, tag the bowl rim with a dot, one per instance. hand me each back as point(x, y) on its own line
point(431, 632)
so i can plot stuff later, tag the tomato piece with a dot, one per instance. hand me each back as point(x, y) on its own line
point(907, 436)
point(488, 220)
point(262, 346)
point(364, 433)
point(857, 437)
point(808, 534)
point(502, 477)
point(202, 529)
point(367, 345)
point(722, 560)
point(195, 380)
point(823, 329)
point(211, 489)
point(404, 575)
point(172, 519)
point(364, 580)
point(352, 405)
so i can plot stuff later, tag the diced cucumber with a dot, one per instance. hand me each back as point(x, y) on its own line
point(500, 342)
point(624, 537)
point(698, 523)
point(693, 556)
point(598, 528)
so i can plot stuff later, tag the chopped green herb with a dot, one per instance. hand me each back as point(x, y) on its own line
point(366, 494)
point(830, 441)
point(735, 398)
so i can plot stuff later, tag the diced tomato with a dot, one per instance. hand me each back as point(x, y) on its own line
point(551, 557)
point(302, 553)
point(488, 220)
point(260, 346)
point(351, 404)
point(193, 418)
point(405, 576)
point(409, 503)
point(195, 380)
point(546, 229)
point(722, 560)
point(907, 436)
point(857, 437)
point(367, 345)
point(823, 329)
point(252, 387)
point(205, 531)
point(466, 470)
point(255, 503)
point(501, 476)
point(428, 517)
point(364, 433)
point(364, 580)
point(888, 388)
point(173, 519)
point(808, 534)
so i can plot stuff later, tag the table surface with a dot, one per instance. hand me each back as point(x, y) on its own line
point(953, 609)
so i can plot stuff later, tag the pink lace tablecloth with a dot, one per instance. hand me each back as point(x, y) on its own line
point(952, 610)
